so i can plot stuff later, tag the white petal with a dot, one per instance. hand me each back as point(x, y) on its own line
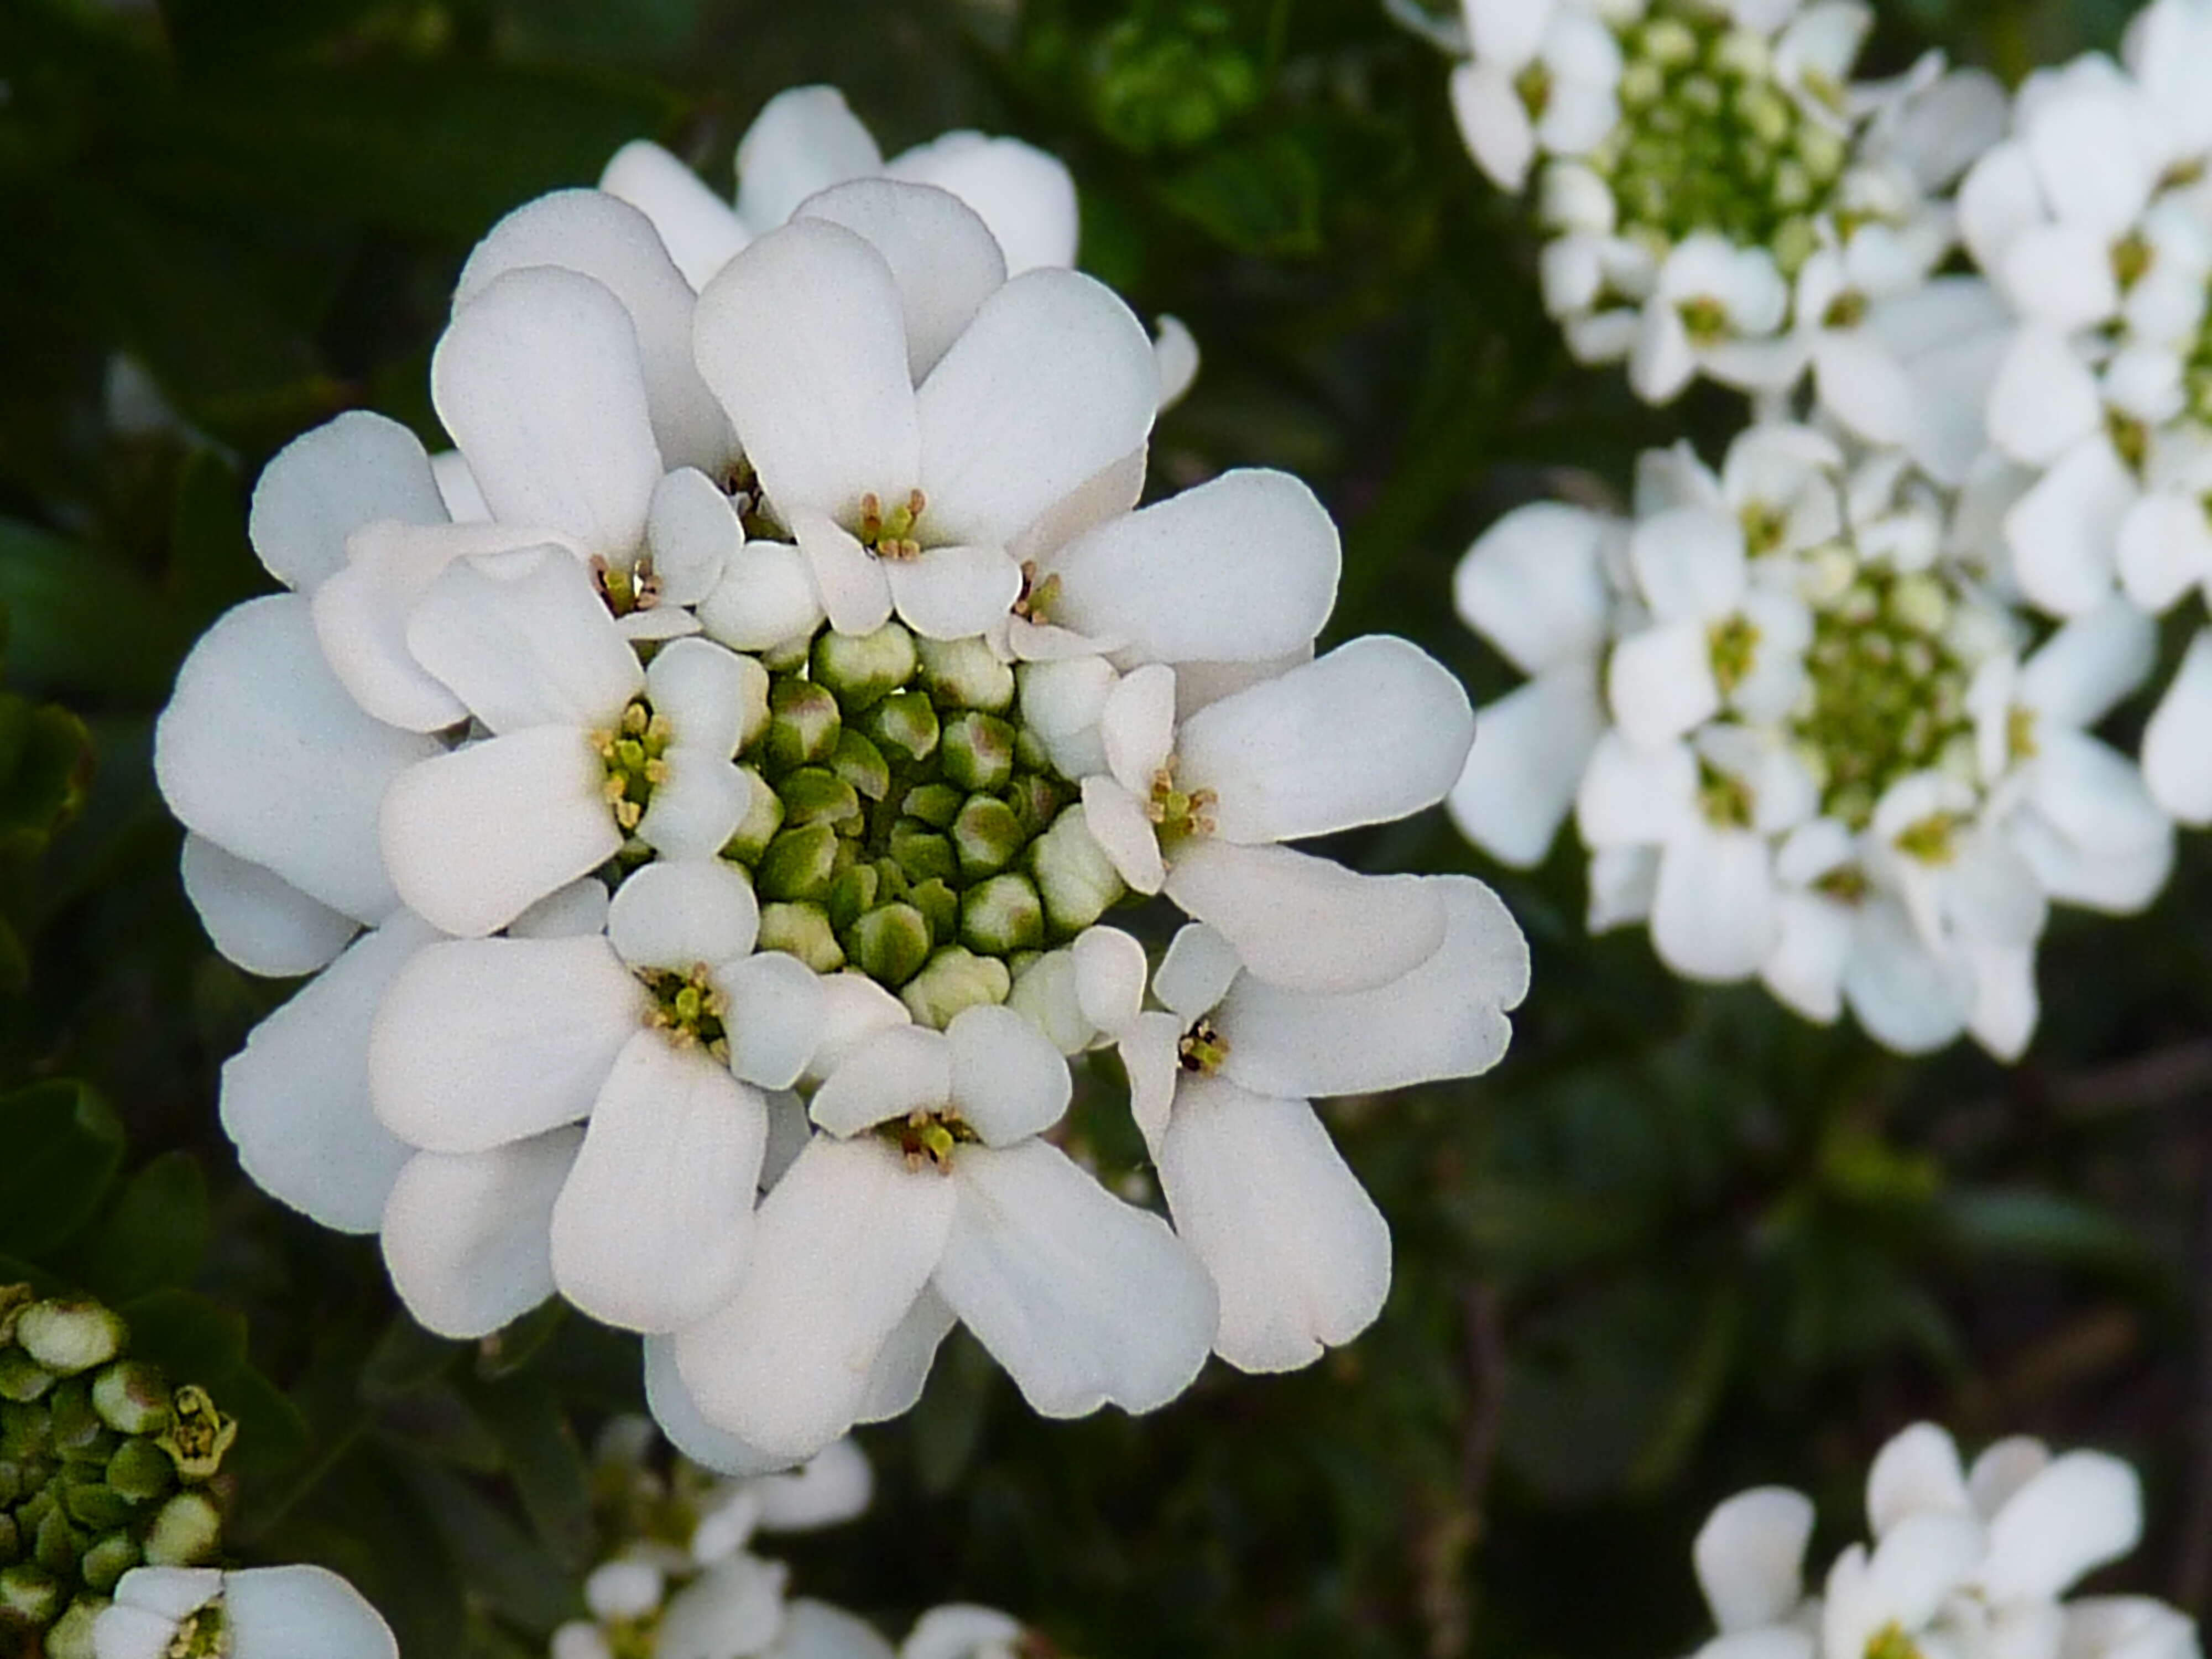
point(261, 752)
point(570, 912)
point(2044, 400)
point(651, 1229)
point(1659, 683)
point(1061, 702)
point(465, 1235)
point(786, 1363)
point(733, 1608)
point(805, 139)
point(1689, 562)
point(1137, 727)
point(682, 914)
point(854, 587)
point(1026, 196)
point(1493, 122)
point(1662, 359)
point(1374, 731)
point(1634, 797)
point(776, 1019)
point(1296, 1248)
point(1531, 747)
point(1110, 977)
point(1533, 585)
point(257, 918)
point(2164, 549)
point(1008, 1081)
point(1053, 382)
point(1806, 970)
point(295, 1100)
point(122, 1631)
point(1445, 1018)
point(1920, 1561)
point(170, 1592)
point(854, 1008)
point(1044, 993)
point(2059, 276)
point(1917, 1470)
point(815, 1629)
point(715, 699)
point(1713, 917)
point(1623, 881)
point(2063, 532)
point(538, 380)
point(457, 486)
point(1116, 821)
point(2082, 1510)
point(2002, 1469)
point(698, 806)
point(326, 484)
point(524, 641)
point(696, 227)
point(945, 260)
point(599, 236)
point(2094, 795)
point(1750, 1556)
point(474, 838)
point(952, 592)
point(1305, 923)
point(1082, 1298)
point(766, 596)
point(1149, 1054)
point(834, 1484)
point(887, 1074)
point(277, 1612)
point(958, 1631)
point(1197, 970)
point(1175, 354)
point(2177, 744)
point(2078, 674)
point(1898, 992)
point(902, 1368)
point(1240, 568)
point(691, 1433)
point(485, 1041)
point(802, 338)
point(692, 531)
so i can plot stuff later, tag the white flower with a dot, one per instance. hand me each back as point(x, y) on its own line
point(963, 1631)
point(262, 1613)
point(1714, 307)
point(1543, 80)
point(946, 1206)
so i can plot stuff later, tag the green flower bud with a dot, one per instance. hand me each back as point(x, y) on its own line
point(1075, 878)
point(860, 764)
point(69, 1337)
point(141, 1470)
point(799, 864)
point(802, 931)
point(939, 905)
point(108, 1560)
point(978, 752)
point(96, 1507)
point(987, 834)
point(863, 668)
point(852, 894)
point(1002, 914)
point(763, 818)
point(21, 1377)
point(185, 1532)
point(891, 943)
point(954, 979)
point(57, 1544)
point(803, 725)
point(906, 723)
point(132, 1398)
point(71, 1635)
point(786, 656)
point(966, 674)
point(936, 805)
point(923, 854)
point(23, 1430)
point(29, 1594)
point(1037, 800)
point(814, 794)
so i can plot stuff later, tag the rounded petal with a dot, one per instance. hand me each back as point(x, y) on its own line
point(1750, 1557)
point(361, 614)
point(902, 1368)
point(1305, 923)
point(698, 228)
point(475, 838)
point(852, 586)
point(1197, 970)
point(2177, 745)
point(803, 338)
point(774, 1019)
point(1897, 991)
point(257, 918)
point(1242, 568)
point(887, 1074)
point(465, 1235)
point(953, 593)
point(261, 752)
point(945, 260)
point(691, 531)
point(1373, 731)
point(2082, 1510)
point(1493, 122)
point(805, 139)
point(1660, 684)
point(1533, 585)
point(1083, 1299)
point(1297, 1250)
point(1918, 1470)
point(1714, 915)
point(2078, 674)
point(1026, 196)
point(2045, 399)
point(1052, 383)
point(1150, 1055)
point(538, 380)
point(1117, 821)
point(1531, 748)
point(524, 641)
point(1110, 978)
point(278, 1612)
point(765, 596)
point(2064, 532)
point(327, 483)
point(296, 1100)
point(2165, 548)
point(650, 1230)
point(480, 1041)
point(786, 1363)
point(959, 1630)
point(691, 1434)
point(1445, 1018)
point(1008, 1081)
point(815, 1629)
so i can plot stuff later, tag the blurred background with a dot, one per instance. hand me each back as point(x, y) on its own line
point(1678, 1243)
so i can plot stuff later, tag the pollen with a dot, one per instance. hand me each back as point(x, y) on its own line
point(1202, 1049)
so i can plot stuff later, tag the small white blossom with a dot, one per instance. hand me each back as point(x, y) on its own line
point(262, 1613)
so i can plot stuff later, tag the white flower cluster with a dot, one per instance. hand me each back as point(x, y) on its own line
point(1718, 197)
point(1965, 1564)
point(679, 1579)
point(1804, 740)
point(717, 788)
point(261, 1613)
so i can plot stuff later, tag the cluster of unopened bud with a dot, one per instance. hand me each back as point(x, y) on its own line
point(103, 1467)
point(913, 828)
point(1710, 139)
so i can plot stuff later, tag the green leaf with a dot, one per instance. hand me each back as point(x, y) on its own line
point(83, 621)
point(520, 1577)
point(2023, 1224)
point(155, 1236)
point(525, 1418)
point(188, 1336)
point(1263, 197)
point(406, 1357)
point(64, 1144)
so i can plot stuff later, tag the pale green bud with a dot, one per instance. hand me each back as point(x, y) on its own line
point(71, 1635)
point(937, 804)
point(802, 931)
point(803, 724)
point(987, 834)
point(1002, 914)
point(923, 853)
point(954, 980)
point(890, 944)
point(30, 1594)
point(863, 668)
point(1668, 42)
point(185, 1532)
point(763, 818)
point(752, 701)
point(977, 751)
point(906, 722)
point(21, 1377)
point(69, 1337)
point(814, 794)
point(1075, 878)
point(861, 764)
point(132, 1398)
point(140, 1470)
point(798, 864)
point(853, 893)
point(966, 674)
point(1044, 994)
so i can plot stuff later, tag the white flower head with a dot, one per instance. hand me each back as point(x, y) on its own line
point(262, 1613)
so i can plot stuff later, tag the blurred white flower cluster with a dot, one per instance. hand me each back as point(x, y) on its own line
point(679, 1578)
point(1826, 716)
point(1963, 1563)
point(700, 797)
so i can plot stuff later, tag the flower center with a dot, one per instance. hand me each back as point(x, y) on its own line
point(1891, 1642)
point(631, 754)
point(1202, 1049)
point(1733, 645)
point(198, 1435)
point(1180, 813)
point(1886, 694)
point(1932, 840)
point(687, 1008)
point(1709, 139)
point(625, 591)
point(1725, 799)
point(890, 535)
point(202, 1635)
point(927, 1137)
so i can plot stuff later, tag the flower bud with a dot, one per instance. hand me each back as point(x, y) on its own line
point(923, 854)
point(854, 894)
point(803, 725)
point(1001, 915)
point(1074, 877)
point(132, 1398)
point(96, 1507)
point(978, 752)
point(802, 931)
point(906, 723)
point(861, 764)
point(939, 905)
point(798, 864)
point(141, 1470)
point(69, 1337)
point(891, 943)
point(987, 835)
point(71, 1635)
point(814, 794)
point(936, 805)
point(966, 674)
point(954, 980)
point(185, 1532)
point(863, 668)
point(21, 1377)
point(29, 1594)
